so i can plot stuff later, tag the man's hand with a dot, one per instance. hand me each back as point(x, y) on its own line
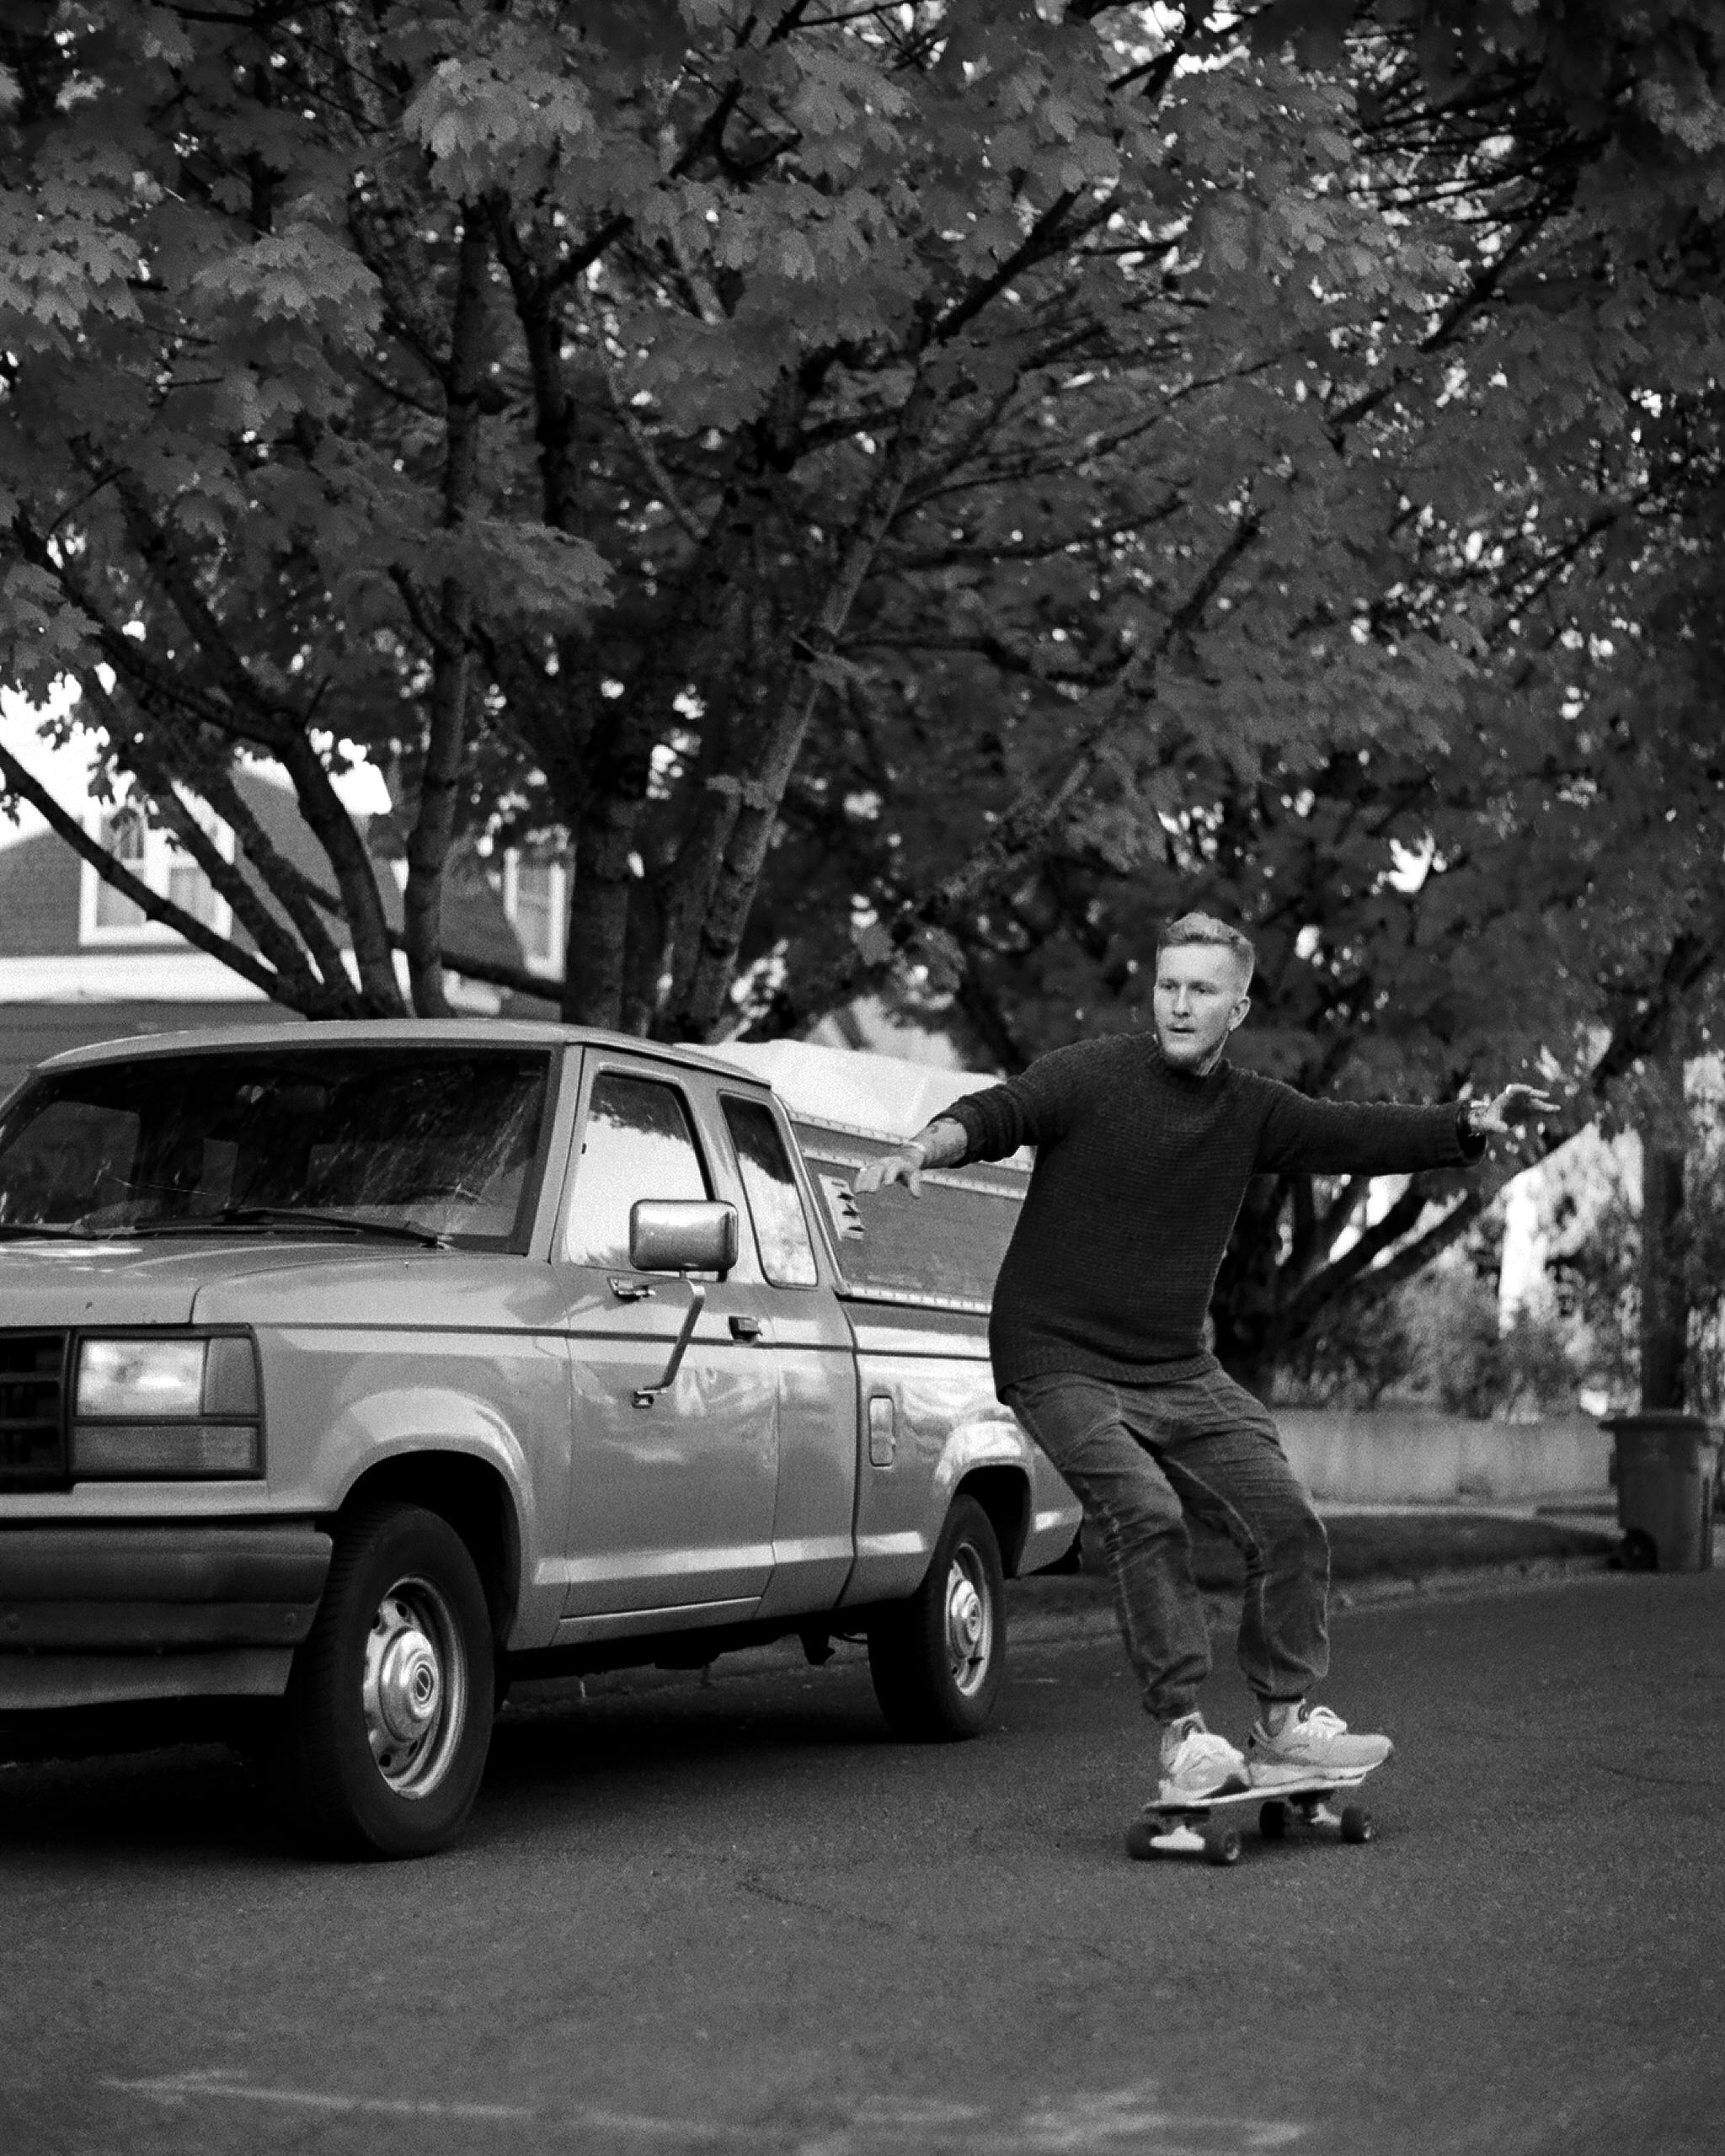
point(905, 1167)
point(1514, 1105)
point(938, 1145)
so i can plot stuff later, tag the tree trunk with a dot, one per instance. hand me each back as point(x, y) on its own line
point(1664, 1288)
point(698, 1014)
point(434, 820)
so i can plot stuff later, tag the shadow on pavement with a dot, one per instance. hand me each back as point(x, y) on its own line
point(126, 1791)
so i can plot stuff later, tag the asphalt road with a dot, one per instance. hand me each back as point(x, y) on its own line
point(736, 1917)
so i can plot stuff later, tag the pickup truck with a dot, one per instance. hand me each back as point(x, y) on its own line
point(349, 1371)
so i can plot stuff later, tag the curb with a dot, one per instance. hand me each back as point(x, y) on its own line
point(1029, 1628)
point(1090, 1617)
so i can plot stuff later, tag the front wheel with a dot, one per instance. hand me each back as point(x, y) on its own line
point(938, 1660)
point(389, 1709)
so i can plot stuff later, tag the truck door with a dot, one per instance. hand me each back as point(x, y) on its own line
point(671, 1504)
point(814, 1534)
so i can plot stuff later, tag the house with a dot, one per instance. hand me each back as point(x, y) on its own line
point(79, 962)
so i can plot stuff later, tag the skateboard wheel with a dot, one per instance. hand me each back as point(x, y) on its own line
point(1273, 1820)
point(1356, 1823)
point(1140, 1840)
point(1221, 1845)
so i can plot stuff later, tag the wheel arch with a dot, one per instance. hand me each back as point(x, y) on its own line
point(1003, 1491)
point(473, 1498)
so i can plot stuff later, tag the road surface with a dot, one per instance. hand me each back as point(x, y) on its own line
point(736, 1917)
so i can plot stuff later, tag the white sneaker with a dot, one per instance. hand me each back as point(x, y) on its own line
point(1312, 1741)
point(1197, 1764)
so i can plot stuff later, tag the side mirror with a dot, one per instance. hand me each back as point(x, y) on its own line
point(680, 1234)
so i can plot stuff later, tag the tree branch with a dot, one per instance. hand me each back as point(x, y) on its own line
point(1023, 826)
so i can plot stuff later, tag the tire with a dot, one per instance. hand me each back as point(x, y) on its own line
point(388, 1712)
point(939, 1659)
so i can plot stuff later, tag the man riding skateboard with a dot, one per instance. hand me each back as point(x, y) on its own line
point(1145, 1146)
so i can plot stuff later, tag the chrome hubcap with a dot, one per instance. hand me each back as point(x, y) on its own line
point(413, 1690)
point(970, 1621)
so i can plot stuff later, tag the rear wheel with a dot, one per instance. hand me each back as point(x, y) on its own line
point(938, 1660)
point(388, 1712)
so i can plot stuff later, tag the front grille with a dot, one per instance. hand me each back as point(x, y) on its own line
point(32, 1416)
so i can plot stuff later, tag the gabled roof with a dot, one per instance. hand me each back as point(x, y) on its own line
point(41, 878)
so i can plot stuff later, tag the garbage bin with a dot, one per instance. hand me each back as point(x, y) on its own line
point(1665, 1469)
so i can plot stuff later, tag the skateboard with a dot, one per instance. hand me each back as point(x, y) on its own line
point(1194, 1830)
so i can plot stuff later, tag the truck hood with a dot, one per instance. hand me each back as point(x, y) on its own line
point(154, 1282)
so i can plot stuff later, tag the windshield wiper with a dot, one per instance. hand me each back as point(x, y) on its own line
point(288, 1216)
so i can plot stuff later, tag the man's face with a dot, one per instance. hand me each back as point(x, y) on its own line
point(1200, 997)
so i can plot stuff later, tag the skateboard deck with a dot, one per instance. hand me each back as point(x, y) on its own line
point(1192, 1830)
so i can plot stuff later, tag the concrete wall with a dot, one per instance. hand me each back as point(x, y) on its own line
point(1391, 1457)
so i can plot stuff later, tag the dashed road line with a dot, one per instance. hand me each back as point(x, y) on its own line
point(1134, 2121)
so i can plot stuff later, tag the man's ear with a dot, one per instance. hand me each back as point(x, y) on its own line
point(1236, 1016)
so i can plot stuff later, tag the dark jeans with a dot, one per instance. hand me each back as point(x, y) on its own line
point(1139, 1458)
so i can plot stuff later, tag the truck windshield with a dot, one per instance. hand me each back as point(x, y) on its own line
point(438, 1138)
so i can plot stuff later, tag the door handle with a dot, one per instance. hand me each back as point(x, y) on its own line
point(629, 1291)
point(744, 1325)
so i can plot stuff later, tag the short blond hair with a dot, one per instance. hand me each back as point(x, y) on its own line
point(1205, 928)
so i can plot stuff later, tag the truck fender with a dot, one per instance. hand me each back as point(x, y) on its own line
point(994, 1443)
point(380, 1435)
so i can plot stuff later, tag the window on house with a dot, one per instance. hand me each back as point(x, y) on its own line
point(535, 898)
point(108, 915)
point(126, 836)
point(191, 890)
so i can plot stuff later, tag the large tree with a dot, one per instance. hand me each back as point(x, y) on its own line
point(1559, 894)
point(901, 492)
point(561, 403)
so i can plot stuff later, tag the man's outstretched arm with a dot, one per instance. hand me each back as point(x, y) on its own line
point(940, 1143)
point(1032, 1109)
point(1303, 1136)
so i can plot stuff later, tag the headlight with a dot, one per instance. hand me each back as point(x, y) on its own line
point(175, 1404)
point(141, 1377)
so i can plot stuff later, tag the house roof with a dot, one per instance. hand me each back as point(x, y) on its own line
point(40, 879)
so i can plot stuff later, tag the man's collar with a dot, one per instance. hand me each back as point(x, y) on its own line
point(1219, 1063)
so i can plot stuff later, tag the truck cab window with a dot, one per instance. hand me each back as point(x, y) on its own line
point(781, 1232)
point(637, 1143)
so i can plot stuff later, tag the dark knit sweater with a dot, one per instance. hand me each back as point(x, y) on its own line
point(1140, 1170)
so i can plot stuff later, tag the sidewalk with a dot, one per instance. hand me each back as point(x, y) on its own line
point(1378, 1553)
